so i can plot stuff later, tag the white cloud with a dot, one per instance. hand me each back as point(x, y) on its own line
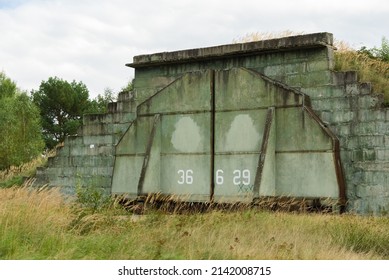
point(90, 41)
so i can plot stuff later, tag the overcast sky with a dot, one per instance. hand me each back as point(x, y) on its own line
point(91, 40)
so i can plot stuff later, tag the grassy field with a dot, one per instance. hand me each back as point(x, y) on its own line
point(39, 224)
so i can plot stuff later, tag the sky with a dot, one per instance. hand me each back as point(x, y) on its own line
point(92, 40)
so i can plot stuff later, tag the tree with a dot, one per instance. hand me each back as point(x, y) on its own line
point(129, 86)
point(381, 53)
point(62, 105)
point(99, 105)
point(7, 87)
point(20, 137)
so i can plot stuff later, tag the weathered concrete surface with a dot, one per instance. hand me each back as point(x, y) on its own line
point(348, 108)
point(300, 42)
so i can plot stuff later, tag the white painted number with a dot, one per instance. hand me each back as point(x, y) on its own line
point(237, 176)
point(241, 177)
point(246, 177)
point(219, 177)
point(186, 177)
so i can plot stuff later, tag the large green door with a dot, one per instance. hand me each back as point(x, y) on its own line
point(228, 136)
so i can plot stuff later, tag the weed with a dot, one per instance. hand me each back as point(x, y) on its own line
point(92, 198)
point(366, 236)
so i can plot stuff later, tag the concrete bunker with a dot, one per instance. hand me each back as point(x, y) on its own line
point(235, 122)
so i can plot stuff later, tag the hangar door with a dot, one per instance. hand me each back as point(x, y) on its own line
point(227, 136)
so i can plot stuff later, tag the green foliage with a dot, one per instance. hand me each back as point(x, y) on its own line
point(367, 236)
point(99, 105)
point(62, 105)
point(92, 198)
point(129, 86)
point(8, 88)
point(14, 181)
point(20, 137)
point(381, 53)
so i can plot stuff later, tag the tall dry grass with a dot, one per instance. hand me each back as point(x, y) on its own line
point(32, 222)
point(39, 224)
point(259, 36)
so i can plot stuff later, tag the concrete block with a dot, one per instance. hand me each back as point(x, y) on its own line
point(342, 130)
point(295, 68)
point(325, 116)
point(366, 115)
point(317, 65)
point(124, 118)
point(120, 128)
point(97, 129)
point(331, 104)
point(341, 116)
point(365, 88)
point(355, 178)
point(374, 190)
point(98, 140)
point(363, 155)
point(274, 71)
point(93, 161)
point(72, 141)
point(344, 78)
point(371, 141)
point(97, 119)
point(346, 156)
point(386, 111)
point(382, 154)
point(370, 101)
point(365, 128)
point(386, 141)
point(93, 172)
point(294, 80)
point(318, 78)
point(352, 89)
point(106, 150)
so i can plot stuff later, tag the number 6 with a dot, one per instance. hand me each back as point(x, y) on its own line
point(219, 177)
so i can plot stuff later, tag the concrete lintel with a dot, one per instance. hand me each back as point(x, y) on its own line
point(315, 40)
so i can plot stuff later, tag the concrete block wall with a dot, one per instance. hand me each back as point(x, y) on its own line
point(361, 122)
point(87, 159)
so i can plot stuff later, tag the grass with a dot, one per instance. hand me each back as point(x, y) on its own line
point(39, 224)
point(16, 175)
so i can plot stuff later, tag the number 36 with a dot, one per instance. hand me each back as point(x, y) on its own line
point(185, 177)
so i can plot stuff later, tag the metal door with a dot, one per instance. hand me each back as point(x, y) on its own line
point(229, 135)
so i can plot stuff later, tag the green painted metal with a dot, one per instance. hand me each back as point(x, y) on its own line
point(227, 136)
